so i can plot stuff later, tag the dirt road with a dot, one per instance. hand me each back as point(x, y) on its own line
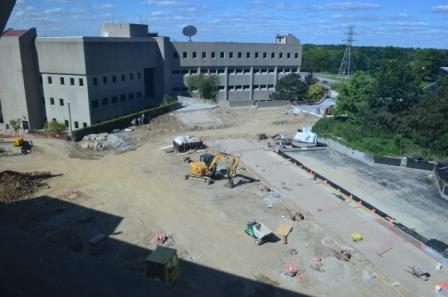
point(137, 193)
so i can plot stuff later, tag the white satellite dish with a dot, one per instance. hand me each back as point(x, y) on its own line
point(190, 31)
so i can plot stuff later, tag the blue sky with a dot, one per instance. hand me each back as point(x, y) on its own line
point(411, 23)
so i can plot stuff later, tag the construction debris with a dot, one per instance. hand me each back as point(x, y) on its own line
point(185, 143)
point(106, 141)
point(283, 232)
point(343, 255)
point(292, 270)
point(71, 193)
point(305, 135)
point(15, 186)
point(261, 136)
point(296, 216)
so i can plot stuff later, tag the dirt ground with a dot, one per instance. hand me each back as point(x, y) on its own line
point(134, 194)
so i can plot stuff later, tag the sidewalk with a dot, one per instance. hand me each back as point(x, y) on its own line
point(386, 250)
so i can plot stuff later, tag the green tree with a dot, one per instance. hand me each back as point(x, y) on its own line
point(354, 96)
point(316, 92)
point(290, 87)
point(397, 86)
point(206, 86)
point(55, 127)
point(15, 125)
point(167, 100)
point(310, 79)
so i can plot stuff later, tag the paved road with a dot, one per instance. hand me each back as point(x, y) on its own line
point(341, 218)
point(409, 196)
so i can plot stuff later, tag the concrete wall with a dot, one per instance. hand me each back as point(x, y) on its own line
point(20, 90)
point(124, 30)
point(342, 149)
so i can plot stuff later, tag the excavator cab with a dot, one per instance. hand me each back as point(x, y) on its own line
point(163, 265)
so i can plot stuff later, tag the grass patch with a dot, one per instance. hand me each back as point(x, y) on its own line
point(370, 140)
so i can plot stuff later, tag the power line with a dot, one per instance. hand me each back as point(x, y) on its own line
point(345, 68)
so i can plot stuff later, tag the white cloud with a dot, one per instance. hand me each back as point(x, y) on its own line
point(52, 10)
point(440, 8)
point(106, 6)
point(348, 6)
point(161, 3)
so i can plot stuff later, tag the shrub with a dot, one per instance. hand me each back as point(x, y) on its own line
point(55, 127)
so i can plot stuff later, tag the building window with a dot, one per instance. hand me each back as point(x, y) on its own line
point(84, 125)
point(248, 55)
point(296, 55)
point(139, 94)
point(95, 81)
point(280, 55)
point(239, 71)
point(272, 55)
point(213, 54)
point(50, 80)
point(54, 120)
point(105, 101)
point(114, 78)
point(185, 55)
point(76, 125)
point(175, 55)
point(221, 70)
point(66, 123)
point(114, 99)
point(95, 103)
point(131, 76)
point(256, 55)
point(265, 55)
point(288, 55)
point(52, 101)
point(240, 55)
point(231, 55)
point(72, 81)
point(139, 75)
point(131, 96)
point(61, 102)
point(123, 77)
point(204, 55)
point(194, 55)
point(81, 82)
point(122, 97)
point(222, 55)
point(61, 79)
point(105, 80)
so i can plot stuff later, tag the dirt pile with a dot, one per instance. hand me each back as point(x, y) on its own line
point(105, 141)
point(15, 186)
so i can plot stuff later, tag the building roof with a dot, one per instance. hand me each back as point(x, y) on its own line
point(13, 33)
point(161, 255)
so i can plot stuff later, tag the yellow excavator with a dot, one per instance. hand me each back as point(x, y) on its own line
point(206, 167)
point(24, 145)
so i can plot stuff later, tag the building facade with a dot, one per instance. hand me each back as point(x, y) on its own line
point(20, 88)
point(86, 80)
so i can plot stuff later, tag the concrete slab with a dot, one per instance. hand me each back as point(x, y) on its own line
point(341, 219)
point(410, 196)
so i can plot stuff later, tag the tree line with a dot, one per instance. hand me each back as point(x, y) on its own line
point(327, 58)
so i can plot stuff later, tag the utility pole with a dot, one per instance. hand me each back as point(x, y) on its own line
point(70, 119)
point(345, 68)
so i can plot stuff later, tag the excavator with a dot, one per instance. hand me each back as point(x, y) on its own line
point(206, 167)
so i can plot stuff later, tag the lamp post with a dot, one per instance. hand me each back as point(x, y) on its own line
point(70, 119)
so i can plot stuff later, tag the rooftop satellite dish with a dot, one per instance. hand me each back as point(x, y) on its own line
point(189, 31)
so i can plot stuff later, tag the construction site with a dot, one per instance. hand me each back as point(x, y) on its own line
point(200, 202)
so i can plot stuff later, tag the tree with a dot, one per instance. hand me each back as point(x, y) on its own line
point(354, 96)
point(167, 100)
point(310, 79)
point(206, 86)
point(397, 86)
point(55, 127)
point(316, 92)
point(290, 87)
point(15, 125)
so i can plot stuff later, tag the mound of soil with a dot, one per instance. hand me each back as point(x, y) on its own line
point(15, 186)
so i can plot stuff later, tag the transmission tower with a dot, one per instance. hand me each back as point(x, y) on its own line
point(345, 68)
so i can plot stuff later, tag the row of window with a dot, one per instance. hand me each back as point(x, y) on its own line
point(61, 101)
point(71, 81)
point(237, 55)
point(114, 99)
point(114, 78)
point(235, 71)
point(232, 88)
point(76, 124)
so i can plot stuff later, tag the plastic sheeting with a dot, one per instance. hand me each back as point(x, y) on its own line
point(306, 136)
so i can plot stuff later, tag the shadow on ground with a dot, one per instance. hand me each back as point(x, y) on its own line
point(43, 253)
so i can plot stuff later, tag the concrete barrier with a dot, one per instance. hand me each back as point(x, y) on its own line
point(240, 103)
point(345, 150)
point(271, 103)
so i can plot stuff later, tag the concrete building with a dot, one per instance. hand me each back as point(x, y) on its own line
point(92, 79)
point(20, 88)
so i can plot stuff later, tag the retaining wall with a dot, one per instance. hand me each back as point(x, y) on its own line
point(272, 103)
point(240, 103)
point(345, 150)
